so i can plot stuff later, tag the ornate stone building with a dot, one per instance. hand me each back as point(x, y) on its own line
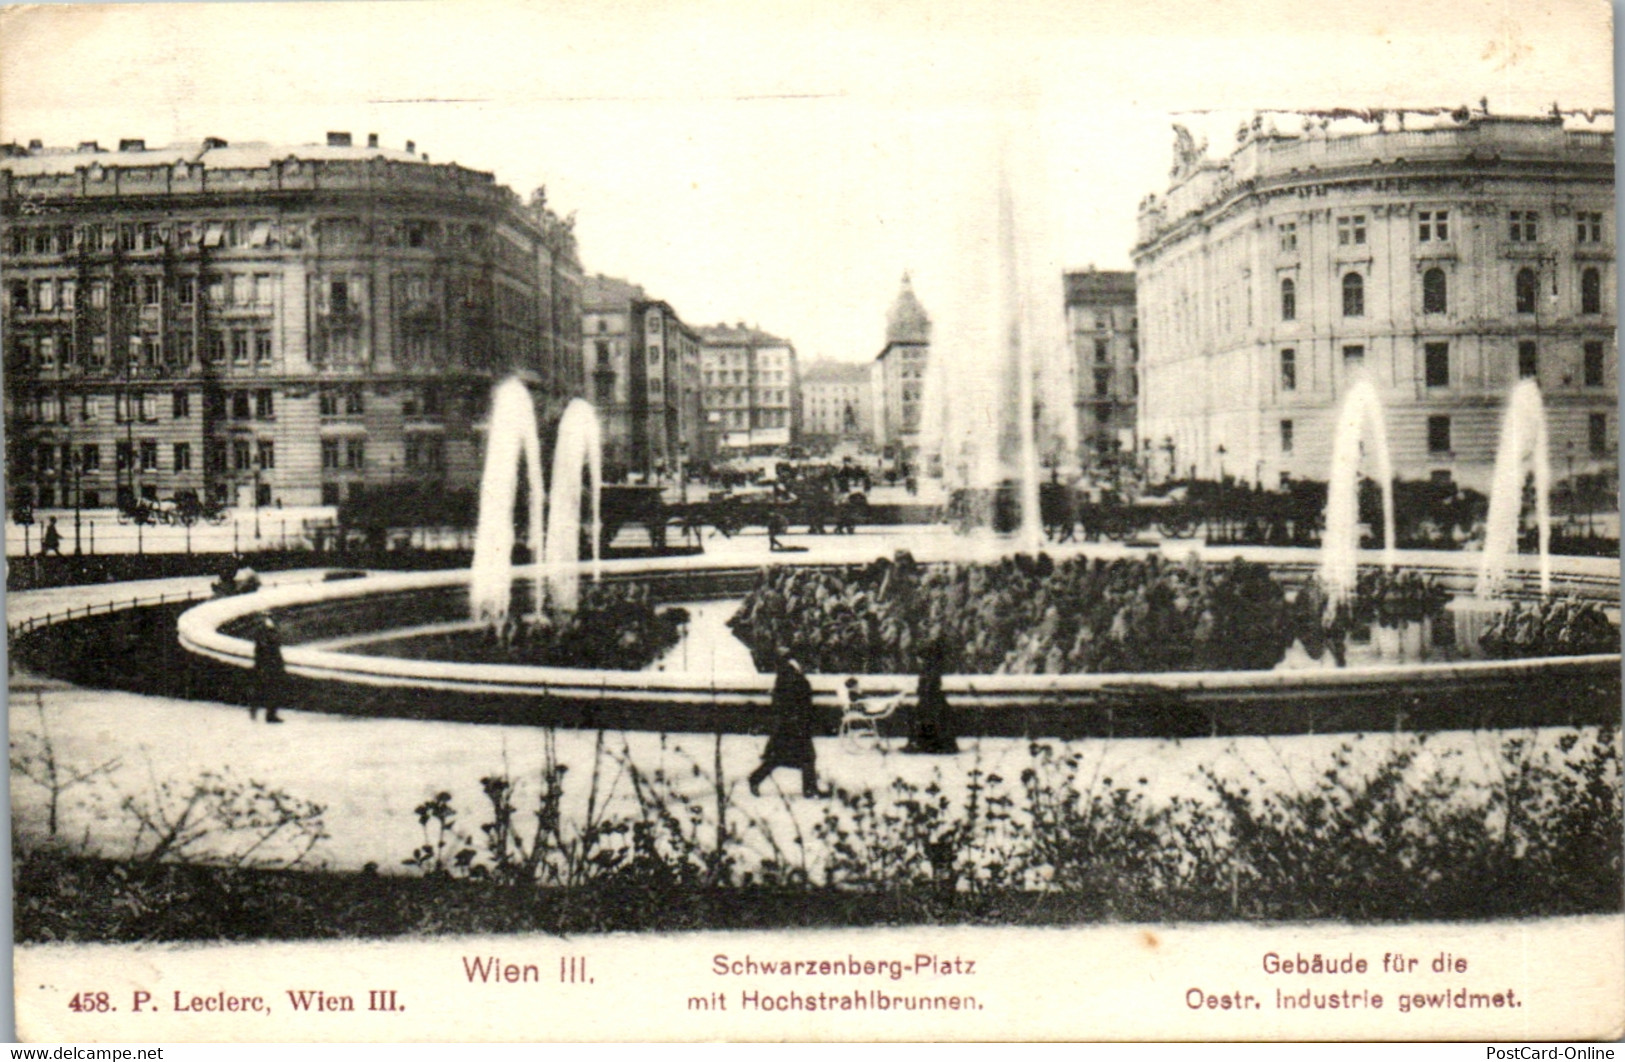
point(268, 324)
point(1443, 255)
point(642, 365)
point(750, 392)
point(900, 374)
point(1102, 325)
point(837, 404)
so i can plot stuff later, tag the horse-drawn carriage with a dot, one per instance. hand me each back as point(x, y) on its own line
point(182, 510)
point(1108, 515)
point(623, 504)
point(819, 511)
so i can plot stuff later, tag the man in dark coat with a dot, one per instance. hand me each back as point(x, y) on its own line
point(791, 742)
point(268, 669)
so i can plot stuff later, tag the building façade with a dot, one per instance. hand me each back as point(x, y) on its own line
point(268, 325)
point(1442, 255)
point(642, 367)
point(1102, 324)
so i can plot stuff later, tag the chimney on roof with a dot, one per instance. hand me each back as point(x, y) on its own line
point(372, 140)
point(132, 145)
point(338, 139)
point(212, 142)
point(411, 147)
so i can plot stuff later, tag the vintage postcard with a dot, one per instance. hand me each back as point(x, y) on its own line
point(846, 521)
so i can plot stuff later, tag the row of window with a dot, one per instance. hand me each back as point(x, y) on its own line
point(423, 452)
point(1435, 358)
point(241, 455)
point(1439, 434)
point(49, 295)
point(240, 404)
point(344, 453)
point(1103, 383)
point(740, 396)
point(147, 350)
point(1103, 349)
point(140, 236)
point(1436, 294)
point(1436, 363)
point(1433, 226)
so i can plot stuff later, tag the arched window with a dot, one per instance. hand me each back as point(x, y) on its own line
point(1435, 292)
point(1289, 299)
point(1353, 295)
point(1526, 290)
point(1591, 292)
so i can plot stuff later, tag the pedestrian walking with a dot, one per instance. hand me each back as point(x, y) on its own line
point(51, 540)
point(791, 742)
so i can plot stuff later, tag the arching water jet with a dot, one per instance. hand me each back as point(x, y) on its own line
point(579, 445)
point(511, 438)
point(1358, 418)
point(1522, 444)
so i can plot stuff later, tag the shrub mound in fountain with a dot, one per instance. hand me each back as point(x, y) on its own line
point(614, 627)
point(1385, 695)
point(1028, 615)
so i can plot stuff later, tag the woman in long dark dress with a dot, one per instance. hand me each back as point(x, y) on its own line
point(930, 731)
point(269, 669)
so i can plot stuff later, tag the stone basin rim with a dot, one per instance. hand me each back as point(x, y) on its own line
point(199, 632)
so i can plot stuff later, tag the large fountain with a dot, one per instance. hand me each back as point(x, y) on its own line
point(513, 443)
point(988, 443)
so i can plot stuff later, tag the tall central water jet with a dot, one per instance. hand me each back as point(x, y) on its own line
point(1522, 444)
point(1021, 452)
point(979, 400)
point(1359, 417)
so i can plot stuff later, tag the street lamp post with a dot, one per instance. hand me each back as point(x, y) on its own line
point(76, 459)
point(1573, 492)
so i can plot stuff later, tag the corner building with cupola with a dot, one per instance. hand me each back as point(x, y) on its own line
point(265, 324)
point(1443, 255)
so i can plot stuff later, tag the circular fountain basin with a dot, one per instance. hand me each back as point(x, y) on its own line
point(319, 620)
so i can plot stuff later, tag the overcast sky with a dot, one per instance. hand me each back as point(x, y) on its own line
point(783, 164)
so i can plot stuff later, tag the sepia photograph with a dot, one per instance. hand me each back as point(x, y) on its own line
point(693, 521)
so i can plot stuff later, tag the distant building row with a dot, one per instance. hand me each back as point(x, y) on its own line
point(669, 394)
